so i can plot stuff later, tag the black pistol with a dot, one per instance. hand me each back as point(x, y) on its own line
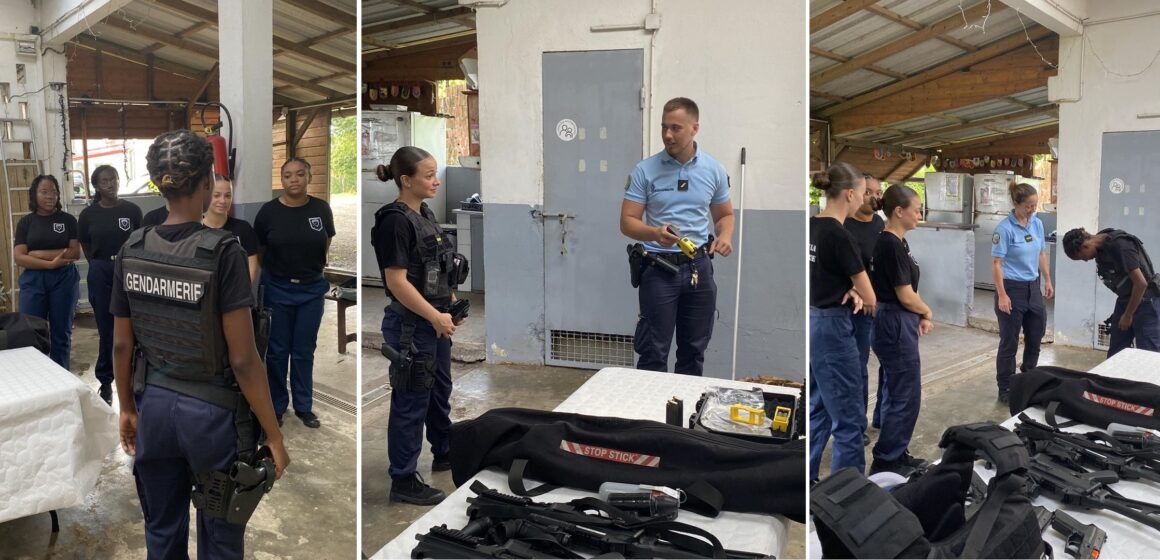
point(1083, 541)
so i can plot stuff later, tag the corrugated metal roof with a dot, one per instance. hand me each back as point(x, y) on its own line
point(378, 12)
point(865, 31)
point(294, 24)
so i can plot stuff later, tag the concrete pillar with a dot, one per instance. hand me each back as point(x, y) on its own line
point(246, 44)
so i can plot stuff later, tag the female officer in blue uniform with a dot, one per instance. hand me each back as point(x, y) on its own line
point(181, 293)
point(1018, 261)
point(408, 244)
point(46, 247)
point(901, 318)
point(104, 226)
point(839, 287)
point(295, 230)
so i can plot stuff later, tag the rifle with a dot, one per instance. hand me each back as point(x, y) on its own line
point(504, 526)
point(1091, 450)
point(1087, 490)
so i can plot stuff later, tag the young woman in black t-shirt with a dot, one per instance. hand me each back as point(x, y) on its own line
point(294, 230)
point(104, 226)
point(396, 241)
point(218, 216)
point(902, 317)
point(46, 247)
point(839, 287)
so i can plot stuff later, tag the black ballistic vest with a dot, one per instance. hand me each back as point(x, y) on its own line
point(440, 268)
point(1120, 281)
point(172, 289)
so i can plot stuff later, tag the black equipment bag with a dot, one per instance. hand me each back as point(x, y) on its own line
point(716, 472)
point(928, 517)
point(18, 330)
point(1086, 397)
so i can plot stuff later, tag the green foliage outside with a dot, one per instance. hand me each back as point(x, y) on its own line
point(343, 155)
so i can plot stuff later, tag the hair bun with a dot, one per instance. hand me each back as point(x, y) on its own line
point(383, 172)
point(821, 181)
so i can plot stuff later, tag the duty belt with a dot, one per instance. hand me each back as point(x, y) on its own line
point(681, 258)
point(309, 280)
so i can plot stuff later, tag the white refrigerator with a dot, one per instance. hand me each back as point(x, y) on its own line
point(382, 133)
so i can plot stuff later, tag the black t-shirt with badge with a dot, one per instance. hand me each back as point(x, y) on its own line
point(233, 276)
point(294, 238)
point(245, 234)
point(893, 266)
point(834, 258)
point(866, 234)
point(103, 230)
point(46, 233)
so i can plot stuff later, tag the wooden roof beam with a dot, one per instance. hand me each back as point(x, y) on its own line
point(967, 125)
point(134, 56)
point(990, 139)
point(1002, 46)
point(838, 13)
point(466, 21)
point(915, 25)
point(347, 20)
point(876, 69)
point(894, 47)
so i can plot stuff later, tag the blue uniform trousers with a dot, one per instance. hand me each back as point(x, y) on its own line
point(864, 334)
point(896, 345)
point(837, 405)
point(100, 279)
point(412, 410)
point(1145, 330)
point(668, 303)
point(52, 295)
point(1027, 313)
point(178, 436)
point(296, 313)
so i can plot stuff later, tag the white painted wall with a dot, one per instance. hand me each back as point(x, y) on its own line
point(1092, 102)
point(724, 56)
point(1061, 16)
point(43, 106)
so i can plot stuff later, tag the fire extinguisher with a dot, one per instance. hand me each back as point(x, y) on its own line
point(224, 152)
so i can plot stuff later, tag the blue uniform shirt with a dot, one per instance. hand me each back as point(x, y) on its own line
point(679, 194)
point(1019, 247)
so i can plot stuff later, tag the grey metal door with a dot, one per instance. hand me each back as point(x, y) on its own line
point(592, 140)
point(1127, 202)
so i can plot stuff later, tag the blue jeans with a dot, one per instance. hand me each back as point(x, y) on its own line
point(295, 313)
point(1145, 329)
point(411, 410)
point(178, 436)
point(837, 407)
point(52, 295)
point(1028, 313)
point(100, 279)
point(896, 345)
point(668, 303)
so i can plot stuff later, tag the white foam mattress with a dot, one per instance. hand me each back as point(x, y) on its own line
point(55, 432)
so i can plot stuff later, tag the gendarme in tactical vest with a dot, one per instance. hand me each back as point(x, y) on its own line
point(172, 289)
point(439, 270)
point(1120, 281)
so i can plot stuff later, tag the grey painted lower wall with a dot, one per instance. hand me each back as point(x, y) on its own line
point(1075, 301)
point(946, 258)
point(772, 329)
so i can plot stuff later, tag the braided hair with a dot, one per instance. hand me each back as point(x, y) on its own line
point(32, 202)
point(95, 179)
point(178, 163)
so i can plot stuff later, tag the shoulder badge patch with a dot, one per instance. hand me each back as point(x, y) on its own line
point(627, 183)
point(995, 239)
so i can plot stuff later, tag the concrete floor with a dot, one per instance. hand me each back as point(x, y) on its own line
point(310, 513)
point(958, 383)
point(478, 387)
